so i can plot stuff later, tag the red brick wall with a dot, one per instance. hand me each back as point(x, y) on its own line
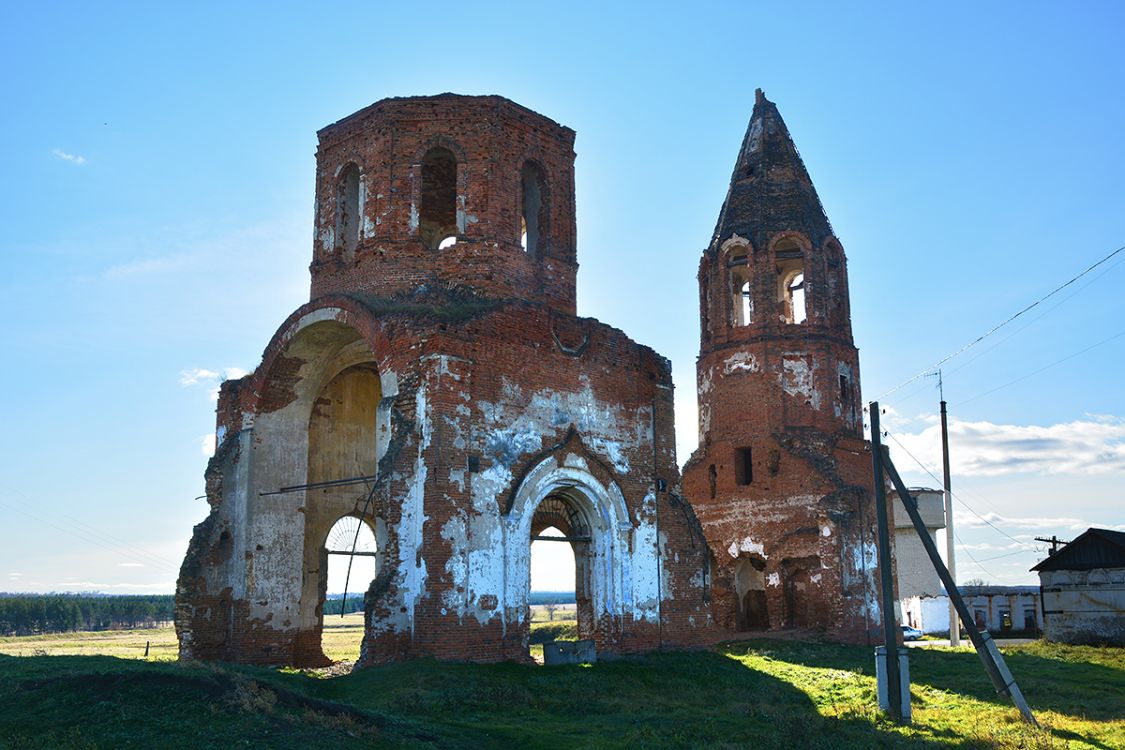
point(491, 138)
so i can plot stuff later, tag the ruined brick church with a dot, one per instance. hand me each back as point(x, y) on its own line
point(440, 391)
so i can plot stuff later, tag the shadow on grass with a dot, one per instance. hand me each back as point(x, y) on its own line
point(1077, 688)
point(700, 699)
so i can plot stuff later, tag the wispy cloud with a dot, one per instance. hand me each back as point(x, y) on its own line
point(58, 153)
point(197, 375)
point(1093, 445)
point(146, 266)
point(963, 520)
point(207, 444)
point(130, 565)
point(96, 586)
point(210, 378)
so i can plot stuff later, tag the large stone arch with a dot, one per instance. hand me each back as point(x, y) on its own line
point(607, 559)
point(283, 530)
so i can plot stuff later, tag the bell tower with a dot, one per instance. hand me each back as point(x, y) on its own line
point(782, 477)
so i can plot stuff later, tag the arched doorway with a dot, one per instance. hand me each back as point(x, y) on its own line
point(559, 521)
point(594, 520)
point(343, 448)
point(352, 563)
point(750, 588)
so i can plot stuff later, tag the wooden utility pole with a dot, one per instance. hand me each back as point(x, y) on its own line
point(1054, 541)
point(954, 625)
point(989, 654)
point(886, 575)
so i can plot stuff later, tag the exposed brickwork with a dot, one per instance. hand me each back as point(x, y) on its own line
point(462, 380)
point(782, 479)
point(491, 139)
point(492, 398)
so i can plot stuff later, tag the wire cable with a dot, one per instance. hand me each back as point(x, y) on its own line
point(1117, 335)
point(996, 328)
point(955, 495)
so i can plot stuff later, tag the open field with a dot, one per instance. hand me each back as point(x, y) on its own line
point(759, 693)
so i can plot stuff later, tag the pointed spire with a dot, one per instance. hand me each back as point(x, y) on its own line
point(770, 190)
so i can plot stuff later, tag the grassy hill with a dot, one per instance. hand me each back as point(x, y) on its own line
point(756, 694)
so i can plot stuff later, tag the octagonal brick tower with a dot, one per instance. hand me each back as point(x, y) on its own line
point(439, 388)
point(418, 193)
point(782, 478)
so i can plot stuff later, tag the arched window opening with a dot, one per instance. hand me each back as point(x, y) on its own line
point(352, 564)
point(791, 296)
point(750, 588)
point(533, 205)
point(742, 301)
point(348, 208)
point(342, 445)
point(561, 563)
point(437, 215)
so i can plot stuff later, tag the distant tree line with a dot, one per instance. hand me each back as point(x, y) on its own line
point(332, 604)
point(25, 614)
point(551, 597)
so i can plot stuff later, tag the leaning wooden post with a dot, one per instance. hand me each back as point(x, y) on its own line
point(994, 664)
point(886, 574)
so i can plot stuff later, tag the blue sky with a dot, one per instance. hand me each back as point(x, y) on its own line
point(156, 187)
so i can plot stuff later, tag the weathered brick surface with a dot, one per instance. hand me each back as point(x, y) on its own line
point(492, 396)
point(793, 534)
point(491, 138)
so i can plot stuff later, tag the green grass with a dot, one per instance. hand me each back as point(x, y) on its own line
point(756, 694)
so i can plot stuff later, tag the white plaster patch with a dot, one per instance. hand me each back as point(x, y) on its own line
point(740, 362)
point(796, 377)
point(575, 462)
point(755, 137)
point(746, 545)
point(773, 579)
point(411, 569)
point(646, 578)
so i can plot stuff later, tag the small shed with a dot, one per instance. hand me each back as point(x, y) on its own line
point(1083, 587)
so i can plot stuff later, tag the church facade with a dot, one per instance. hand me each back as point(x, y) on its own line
point(440, 391)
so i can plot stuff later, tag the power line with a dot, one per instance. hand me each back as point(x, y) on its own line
point(102, 540)
point(955, 495)
point(1117, 335)
point(996, 328)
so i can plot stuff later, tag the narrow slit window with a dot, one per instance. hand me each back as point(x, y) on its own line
point(532, 208)
point(348, 210)
point(744, 466)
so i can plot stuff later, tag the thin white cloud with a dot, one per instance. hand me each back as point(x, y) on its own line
point(130, 565)
point(15, 576)
point(94, 586)
point(207, 444)
point(146, 266)
point(58, 153)
point(963, 520)
point(210, 378)
point(196, 375)
point(1093, 445)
